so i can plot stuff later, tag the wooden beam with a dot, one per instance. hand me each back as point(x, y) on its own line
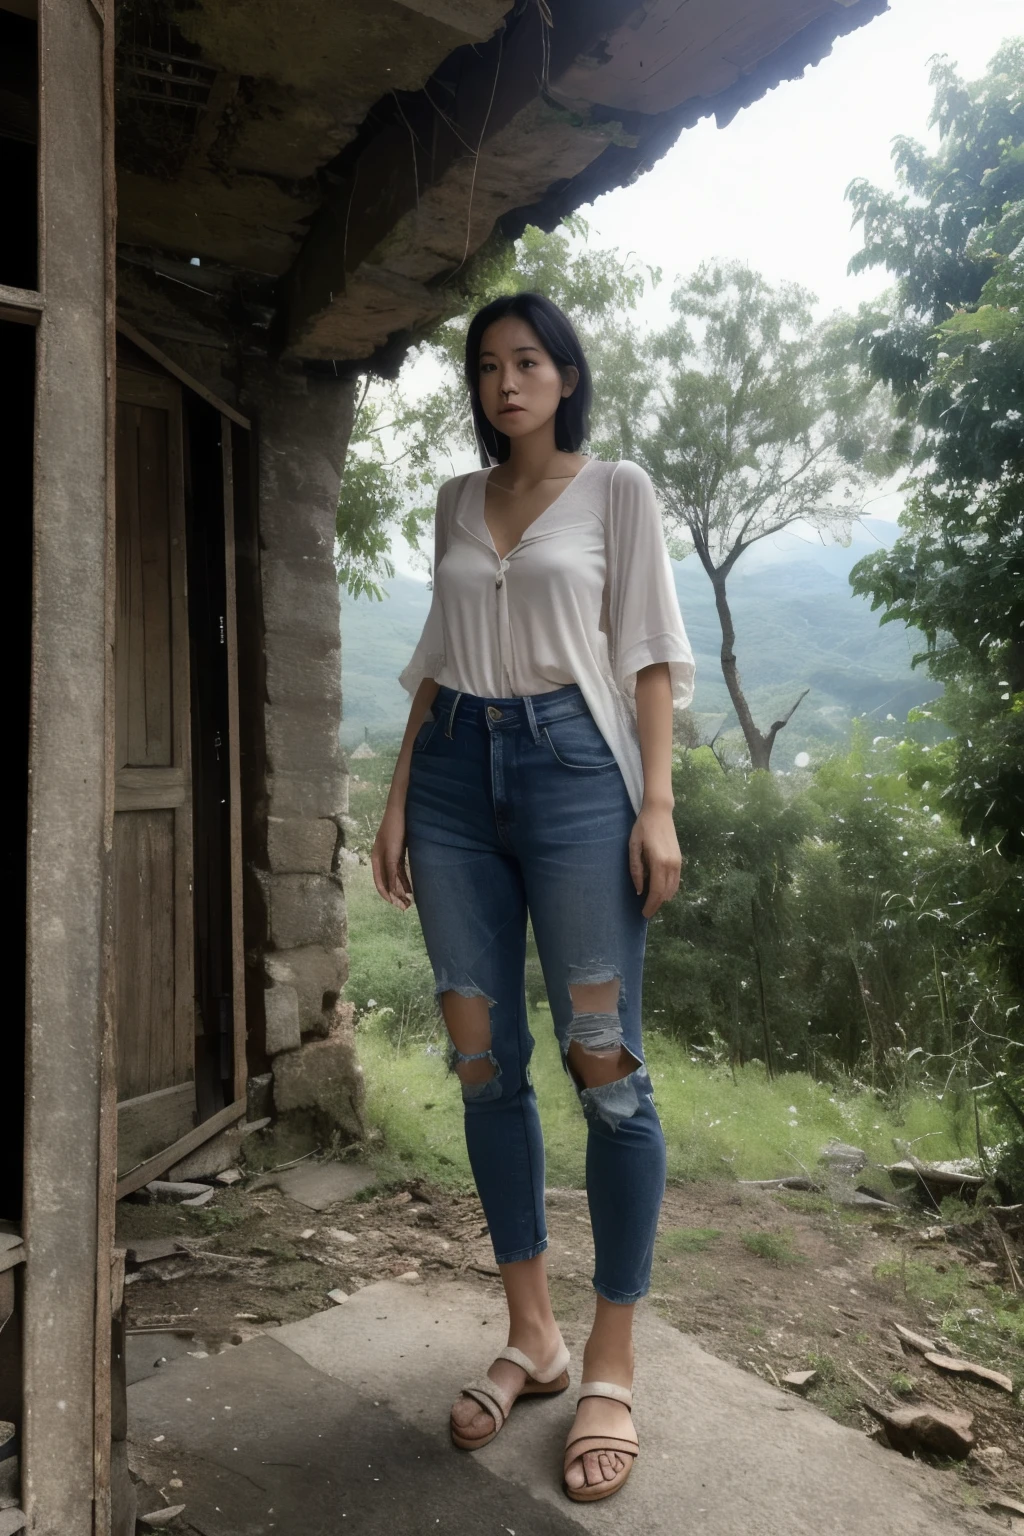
point(145, 345)
point(171, 1155)
point(149, 789)
point(234, 767)
point(22, 305)
point(12, 1257)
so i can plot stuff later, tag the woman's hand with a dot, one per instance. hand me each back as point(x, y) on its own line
point(653, 842)
point(388, 859)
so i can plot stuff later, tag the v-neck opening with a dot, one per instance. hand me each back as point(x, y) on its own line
point(549, 508)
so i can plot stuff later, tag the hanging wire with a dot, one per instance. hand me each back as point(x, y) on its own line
point(476, 158)
point(412, 140)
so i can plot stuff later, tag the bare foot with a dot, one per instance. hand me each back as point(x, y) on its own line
point(473, 1421)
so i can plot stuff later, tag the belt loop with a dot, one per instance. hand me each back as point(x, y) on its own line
point(532, 719)
point(451, 716)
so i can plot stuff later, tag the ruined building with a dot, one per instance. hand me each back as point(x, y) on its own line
point(217, 213)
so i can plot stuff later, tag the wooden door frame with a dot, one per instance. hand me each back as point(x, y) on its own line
point(153, 390)
point(68, 1182)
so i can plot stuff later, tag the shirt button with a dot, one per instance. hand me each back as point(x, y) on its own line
point(495, 714)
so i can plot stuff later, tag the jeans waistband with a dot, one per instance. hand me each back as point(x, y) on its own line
point(529, 711)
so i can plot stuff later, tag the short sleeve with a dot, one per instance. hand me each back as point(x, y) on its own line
point(428, 658)
point(646, 625)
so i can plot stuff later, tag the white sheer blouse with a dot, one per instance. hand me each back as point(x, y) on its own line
point(586, 596)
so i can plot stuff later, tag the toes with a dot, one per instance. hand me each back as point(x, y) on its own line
point(470, 1419)
point(592, 1467)
point(575, 1476)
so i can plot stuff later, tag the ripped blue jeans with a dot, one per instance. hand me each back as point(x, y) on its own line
point(517, 806)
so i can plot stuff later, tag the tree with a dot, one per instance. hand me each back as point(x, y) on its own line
point(398, 448)
point(754, 419)
point(951, 347)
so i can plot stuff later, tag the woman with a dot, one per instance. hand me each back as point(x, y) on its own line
point(535, 776)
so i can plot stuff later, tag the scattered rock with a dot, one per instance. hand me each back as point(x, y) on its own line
point(339, 1235)
point(799, 1380)
point(145, 1250)
point(158, 1518)
point(915, 1340)
point(203, 1199)
point(229, 1176)
point(337, 1296)
point(844, 1158)
point(1002, 1504)
point(932, 1235)
point(868, 1198)
point(411, 1277)
point(970, 1370)
point(167, 1269)
point(173, 1190)
point(924, 1427)
point(318, 1185)
point(993, 1457)
point(797, 1181)
point(305, 1236)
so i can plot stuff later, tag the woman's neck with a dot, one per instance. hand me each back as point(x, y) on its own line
point(535, 458)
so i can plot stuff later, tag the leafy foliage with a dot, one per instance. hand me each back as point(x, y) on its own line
point(951, 348)
point(838, 926)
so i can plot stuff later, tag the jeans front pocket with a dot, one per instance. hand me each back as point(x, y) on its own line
point(577, 743)
point(424, 733)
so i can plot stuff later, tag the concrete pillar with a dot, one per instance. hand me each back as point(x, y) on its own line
point(304, 425)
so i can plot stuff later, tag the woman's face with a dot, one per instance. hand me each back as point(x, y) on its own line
point(520, 384)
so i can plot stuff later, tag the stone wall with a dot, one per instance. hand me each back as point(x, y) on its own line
point(304, 425)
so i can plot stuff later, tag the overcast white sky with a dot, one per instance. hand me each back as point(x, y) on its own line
point(768, 189)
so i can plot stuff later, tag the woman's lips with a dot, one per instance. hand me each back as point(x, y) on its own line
point(509, 410)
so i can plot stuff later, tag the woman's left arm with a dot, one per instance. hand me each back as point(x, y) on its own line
point(653, 841)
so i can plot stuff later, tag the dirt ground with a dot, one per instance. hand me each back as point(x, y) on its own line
point(773, 1282)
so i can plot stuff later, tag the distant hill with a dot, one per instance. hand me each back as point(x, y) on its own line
point(798, 625)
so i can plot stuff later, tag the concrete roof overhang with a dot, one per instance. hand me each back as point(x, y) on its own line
point(333, 166)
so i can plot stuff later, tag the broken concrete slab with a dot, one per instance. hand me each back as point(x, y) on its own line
point(145, 1250)
point(717, 1441)
point(319, 1185)
point(329, 1461)
point(175, 1190)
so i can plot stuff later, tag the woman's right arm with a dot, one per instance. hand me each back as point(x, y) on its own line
point(388, 855)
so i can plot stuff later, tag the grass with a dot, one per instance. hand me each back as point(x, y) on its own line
point(717, 1124)
point(985, 1322)
point(776, 1247)
point(687, 1239)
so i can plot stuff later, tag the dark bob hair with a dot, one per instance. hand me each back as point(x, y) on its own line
point(559, 340)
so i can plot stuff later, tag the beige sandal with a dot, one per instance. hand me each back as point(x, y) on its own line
point(584, 1444)
point(498, 1401)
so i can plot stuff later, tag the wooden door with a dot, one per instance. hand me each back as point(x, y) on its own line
point(152, 854)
